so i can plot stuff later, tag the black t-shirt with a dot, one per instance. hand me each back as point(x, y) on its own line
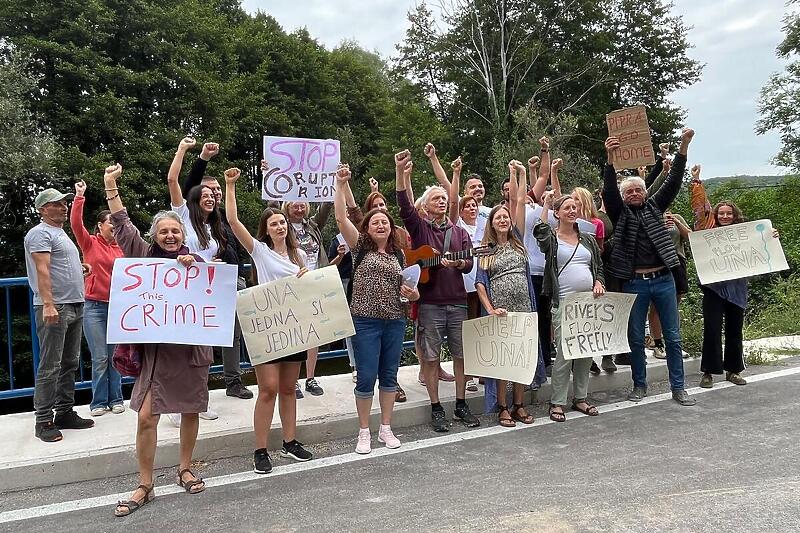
point(645, 255)
point(346, 266)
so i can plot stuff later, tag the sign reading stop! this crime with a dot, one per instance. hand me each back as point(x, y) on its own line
point(630, 126)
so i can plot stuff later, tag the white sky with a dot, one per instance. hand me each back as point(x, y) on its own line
point(736, 40)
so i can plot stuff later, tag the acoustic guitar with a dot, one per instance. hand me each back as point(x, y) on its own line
point(426, 257)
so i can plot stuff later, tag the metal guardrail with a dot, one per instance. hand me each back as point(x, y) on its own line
point(9, 284)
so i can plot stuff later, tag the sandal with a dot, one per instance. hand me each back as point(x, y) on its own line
point(557, 417)
point(192, 483)
point(505, 422)
point(400, 395)
point(527, 418)
point(590, 410)
point(131, 506)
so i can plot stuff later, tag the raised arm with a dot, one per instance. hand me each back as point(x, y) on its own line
point(517, 198)
point(703, 213)
point(232, 212)
point(82, 236)
point(125, 233)
point(347, 228)
point(554, 168)
point(175, 194)
point(199, 167)
point(407, 171)
point(110, 178)
point(611, 195)
point(540, 184)
point(544, 160)
point(438, 170)
point(653, 187)
point(453, 193)
point(658, 168)
point(667, 193)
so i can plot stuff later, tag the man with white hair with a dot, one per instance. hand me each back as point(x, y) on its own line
point(642, 258)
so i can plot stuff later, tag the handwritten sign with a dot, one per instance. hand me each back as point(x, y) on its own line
point(300, 169)
point(502, 347)
point(736, 251)
point(595, 326)
point(160, 300)
point(635, 144)
point(291, 315)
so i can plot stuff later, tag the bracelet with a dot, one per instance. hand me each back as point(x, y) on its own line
point(113, 189)
point(113, 197)
point(545, 150)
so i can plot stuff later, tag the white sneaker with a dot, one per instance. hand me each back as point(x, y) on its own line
point(98, 411)
point(210, 414)
point(118, 408)
point(659, 352)
point(174, 419)
point(364, 445)
point(472, 385)
point(386, 436)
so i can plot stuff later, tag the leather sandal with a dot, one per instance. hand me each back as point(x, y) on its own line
point(131, 506)
point(505, 422)
point(557, 417)
point(590, 410)
point(188, 486)
point(400, 395)
point(527, 418)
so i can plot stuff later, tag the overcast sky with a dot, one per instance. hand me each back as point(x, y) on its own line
point(735, 39)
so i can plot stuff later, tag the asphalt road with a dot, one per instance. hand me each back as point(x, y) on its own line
point(728, 464)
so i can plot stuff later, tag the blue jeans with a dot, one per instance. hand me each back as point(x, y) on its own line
point(660, 291)
point(106, 381)
point(377, 346)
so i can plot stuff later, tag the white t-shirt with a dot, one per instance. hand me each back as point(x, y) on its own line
point(536, 258)
point(577, 275)
point(480, 222)
point(307, 244)
point(192, 241)
point(469, 279)
point(270, 265)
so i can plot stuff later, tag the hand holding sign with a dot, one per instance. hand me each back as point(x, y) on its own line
point(411, 276)
point(632, 130)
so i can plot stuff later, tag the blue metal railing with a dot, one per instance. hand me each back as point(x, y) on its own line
point(9, 284)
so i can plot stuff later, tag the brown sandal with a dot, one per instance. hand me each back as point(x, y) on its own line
point(505, 422)
point(557, 417)
point(192, 483)
point(590, 410)
point(131, 506)
point(526, 419)
point(400, 395)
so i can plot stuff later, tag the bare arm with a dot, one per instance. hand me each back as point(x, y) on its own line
point(438, 170)
point(175, 194)
point(544, 163)
point(45, 286)
point(110, 178)
point(554, 168)
point(453, 197)
point(539, 185)
point(518, 211)
point(348, 230)
point(231, 211)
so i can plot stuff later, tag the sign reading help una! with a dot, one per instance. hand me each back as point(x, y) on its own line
point(635, 144)
point(736, 251)
point(300, 169)
point(292, 314)
point(504, 347)
point(160, 300)
point(595, 326)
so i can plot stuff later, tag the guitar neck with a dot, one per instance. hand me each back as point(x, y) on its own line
point(453, 256)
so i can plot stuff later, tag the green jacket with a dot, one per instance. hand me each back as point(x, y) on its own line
point(548, 243)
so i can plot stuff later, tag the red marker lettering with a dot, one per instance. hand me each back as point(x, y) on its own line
point(122, 320)
point(131, 274)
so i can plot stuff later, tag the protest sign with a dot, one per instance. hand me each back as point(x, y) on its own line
point(630, 126)
point(736, 251)
point(292, 314)
point(502, 347)
point(300, 169)
point(586, 227)
point(160, 300)
point(595, 326)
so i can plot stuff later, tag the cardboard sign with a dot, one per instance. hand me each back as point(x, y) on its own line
point(635, 144)
point(736, 251)
point(292, 314)
point(160, 300)
point(300, 169)
point(502, 347)
point(595, 326)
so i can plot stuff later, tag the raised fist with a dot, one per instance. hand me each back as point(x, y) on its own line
point(401, 158)
point(687, 134)
point(557, 164)
point(232, 174)
point(187, 143)
point(664, 149)
point(545, 143)
point(457, 164)
point(696, 171)
point(533, 162)
point(209, 151)
point(373, 185)
point(343, 173)
point(113, 172)
point(429, 151)
point(80, 188)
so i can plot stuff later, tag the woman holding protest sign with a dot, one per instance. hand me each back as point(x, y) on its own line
point(173, 377)
point(379, 316)
point(572, 264)
point(99, 250)
point(724, 301)
point(503, 283)
point(276, 254)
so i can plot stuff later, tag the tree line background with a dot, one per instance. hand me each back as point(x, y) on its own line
point(84, 83)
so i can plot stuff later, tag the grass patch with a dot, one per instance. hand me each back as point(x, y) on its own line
point(760, 357)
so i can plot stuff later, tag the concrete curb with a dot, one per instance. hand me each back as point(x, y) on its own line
point(121, 460)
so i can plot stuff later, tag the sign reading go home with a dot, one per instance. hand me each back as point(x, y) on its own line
point(630, 126)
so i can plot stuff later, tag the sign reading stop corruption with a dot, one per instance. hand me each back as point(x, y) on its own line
point(300, 169)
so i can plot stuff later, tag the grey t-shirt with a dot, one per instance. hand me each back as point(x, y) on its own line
point(66, 274)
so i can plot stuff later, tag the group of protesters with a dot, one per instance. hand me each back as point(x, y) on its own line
point(537, 247)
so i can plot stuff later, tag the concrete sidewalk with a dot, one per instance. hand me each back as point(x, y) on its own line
point(108, 449)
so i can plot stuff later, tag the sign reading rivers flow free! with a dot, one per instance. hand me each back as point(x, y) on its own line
point(502, 347)
point(292, 314)
point(300, 169)
point(160, 300)
point(630, 126)
point(595, 326)
point(736, 251)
